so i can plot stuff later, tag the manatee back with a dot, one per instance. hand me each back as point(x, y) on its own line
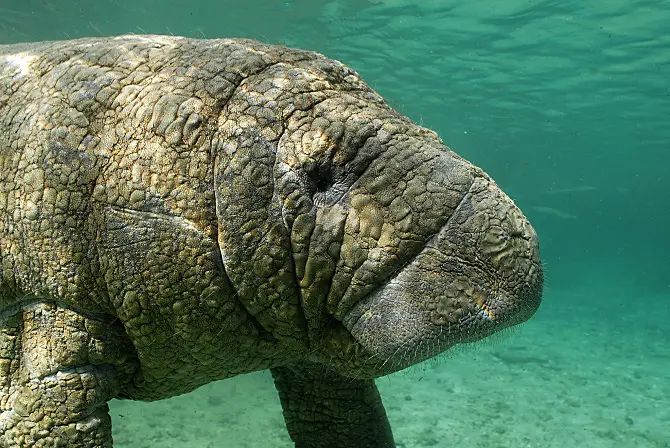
point(97, 123)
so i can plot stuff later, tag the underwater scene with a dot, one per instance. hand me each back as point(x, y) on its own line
point(566, 105)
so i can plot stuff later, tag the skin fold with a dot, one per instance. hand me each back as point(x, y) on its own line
point(177, 211)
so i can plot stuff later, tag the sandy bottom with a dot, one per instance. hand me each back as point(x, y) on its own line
point(585, 372)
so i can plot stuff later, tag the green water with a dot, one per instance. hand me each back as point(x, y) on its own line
point(567, 105)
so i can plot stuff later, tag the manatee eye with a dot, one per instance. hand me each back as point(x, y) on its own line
point(329, 184)
point(322, 178)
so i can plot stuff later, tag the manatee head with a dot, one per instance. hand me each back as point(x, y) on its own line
point(430, 253)
point(383, 245)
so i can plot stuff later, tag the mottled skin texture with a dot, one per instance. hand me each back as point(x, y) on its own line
point(177, 211)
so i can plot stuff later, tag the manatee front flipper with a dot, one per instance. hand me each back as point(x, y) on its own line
point(325, 410)
point(58, 369)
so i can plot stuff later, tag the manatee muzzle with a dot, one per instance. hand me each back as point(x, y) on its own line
point(481, 273)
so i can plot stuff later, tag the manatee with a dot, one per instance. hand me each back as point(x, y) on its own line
point(177, 211)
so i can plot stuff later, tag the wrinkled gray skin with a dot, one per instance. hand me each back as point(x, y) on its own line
point(177, 211)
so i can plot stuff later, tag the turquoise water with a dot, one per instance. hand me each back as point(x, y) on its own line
point(567, 105)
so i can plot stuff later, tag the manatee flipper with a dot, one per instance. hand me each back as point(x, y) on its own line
point(59, 370)
point(325, 410)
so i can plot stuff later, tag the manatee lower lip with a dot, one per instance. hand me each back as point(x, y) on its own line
point(393, 324)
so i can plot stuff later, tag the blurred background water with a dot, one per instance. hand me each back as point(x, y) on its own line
point(567, 105)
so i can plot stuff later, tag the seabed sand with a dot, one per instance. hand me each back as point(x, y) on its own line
point(585, 372)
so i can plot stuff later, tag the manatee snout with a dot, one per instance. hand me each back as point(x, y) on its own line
point(479, 274)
